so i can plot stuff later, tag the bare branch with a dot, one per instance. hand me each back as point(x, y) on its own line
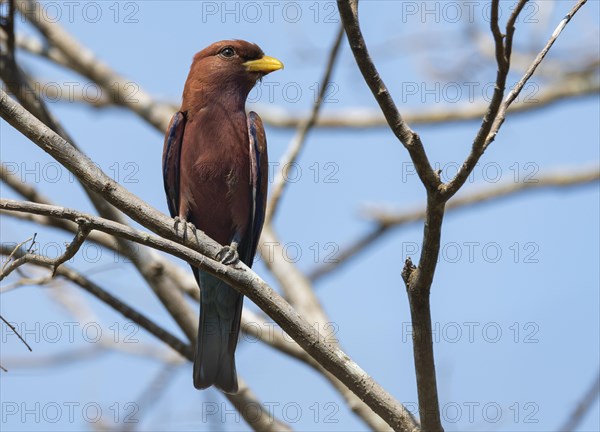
point(15, 332)
point(417, 279)
point(32, 194)
point(156, 263)
point(14, 253)
point(70, 251)
point(241, 277)
point(249, 284)
point(519, 86)
point(34, 46)
point(570, 86)
point(567, 179)
point(104, 296)
point(503, 63)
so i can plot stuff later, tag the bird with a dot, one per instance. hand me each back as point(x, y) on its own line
point(215, 172)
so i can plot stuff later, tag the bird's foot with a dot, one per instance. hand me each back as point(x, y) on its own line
point(186, 225)
point(228, 254)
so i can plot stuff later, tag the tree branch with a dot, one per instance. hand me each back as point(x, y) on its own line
point(15, 332)
point(503, 63)
point(558, 180)
point(249, 284)
point(70, 251)
point(333, 359)
point(185, 282)
point(583, 406)
point(418, 279)
point(519, 86)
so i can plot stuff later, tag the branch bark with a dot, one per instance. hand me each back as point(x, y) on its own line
point(417, 279)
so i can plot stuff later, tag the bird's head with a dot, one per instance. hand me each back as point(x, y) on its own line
point(229, 67)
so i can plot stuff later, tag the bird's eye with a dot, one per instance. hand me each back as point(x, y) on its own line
point(227, 52)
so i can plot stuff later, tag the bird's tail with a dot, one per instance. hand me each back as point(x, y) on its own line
point(220, 316)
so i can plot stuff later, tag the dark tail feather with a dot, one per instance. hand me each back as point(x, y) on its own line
point(220, 315)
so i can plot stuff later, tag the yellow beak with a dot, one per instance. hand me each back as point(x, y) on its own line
point(265, 65)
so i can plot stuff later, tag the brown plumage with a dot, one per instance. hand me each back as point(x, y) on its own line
point(215, 173)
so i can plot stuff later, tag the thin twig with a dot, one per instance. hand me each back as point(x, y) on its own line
point(70, 251)
point(479, 143)
point(104, 296)
point(31, 193)
point(514, 93)
point(583, 406)
point(15, 332)
point(13, 253)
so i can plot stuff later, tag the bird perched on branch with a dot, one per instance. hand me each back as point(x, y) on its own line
point(215, 177)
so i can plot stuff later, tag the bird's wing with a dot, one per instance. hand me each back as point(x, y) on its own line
point(171, 163)
point(258, 176)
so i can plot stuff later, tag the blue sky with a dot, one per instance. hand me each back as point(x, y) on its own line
point(515, 299)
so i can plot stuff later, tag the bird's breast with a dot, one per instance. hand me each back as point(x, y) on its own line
point(215, 178)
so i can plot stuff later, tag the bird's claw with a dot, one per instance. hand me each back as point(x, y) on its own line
point(228, 255)
point(187, 225)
